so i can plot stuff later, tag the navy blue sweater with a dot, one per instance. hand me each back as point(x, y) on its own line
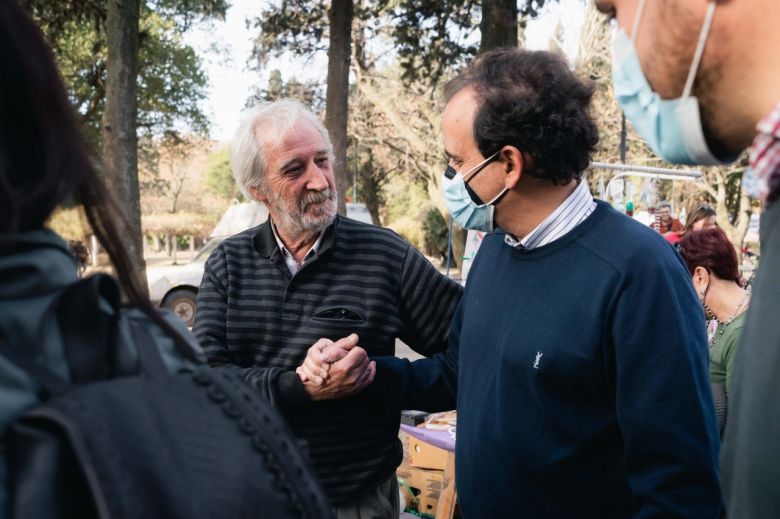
point(581, 376)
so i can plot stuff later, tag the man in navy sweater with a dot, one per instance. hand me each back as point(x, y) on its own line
point(577, 354)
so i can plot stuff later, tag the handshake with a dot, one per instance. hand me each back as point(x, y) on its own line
point(333, 370)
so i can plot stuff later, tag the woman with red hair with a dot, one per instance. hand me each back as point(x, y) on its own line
point(712, 262)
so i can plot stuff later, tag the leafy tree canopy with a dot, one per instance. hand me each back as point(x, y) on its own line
point(171, 81)
point(430, 36)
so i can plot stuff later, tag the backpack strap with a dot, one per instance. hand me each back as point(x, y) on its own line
point(151, 361)
point(89, 331)
point(49, 381)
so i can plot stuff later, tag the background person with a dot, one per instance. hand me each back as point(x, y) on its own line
point(712, 262)
point(664, 221)
point(702, 217)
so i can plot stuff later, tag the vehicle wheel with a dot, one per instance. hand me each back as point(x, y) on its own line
point(183, 303)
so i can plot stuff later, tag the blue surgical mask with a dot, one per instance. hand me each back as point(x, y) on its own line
point(672, 127)
point(464, 205)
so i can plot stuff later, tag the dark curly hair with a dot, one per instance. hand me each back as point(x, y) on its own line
point(532, 100)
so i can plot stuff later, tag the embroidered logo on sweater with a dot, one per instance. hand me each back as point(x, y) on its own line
point(538, 358)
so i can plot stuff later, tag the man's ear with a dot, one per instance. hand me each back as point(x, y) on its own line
point(258, 194)
point(513, 161)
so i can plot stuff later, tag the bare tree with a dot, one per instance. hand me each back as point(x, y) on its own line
point(716, 184)
point(407, 122)
point(174, 154)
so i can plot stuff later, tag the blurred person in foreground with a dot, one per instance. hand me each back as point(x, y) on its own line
point(43, 163)
point(712, 262)
point(578, 354)
point(680, 70)
point(85, 341)
point(273, 297)
point(702, 217)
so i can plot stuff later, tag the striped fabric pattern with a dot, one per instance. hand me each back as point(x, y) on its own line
point(763, 178)
point(572, 212)
point(252, 313)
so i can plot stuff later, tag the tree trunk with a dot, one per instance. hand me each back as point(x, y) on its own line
point(120, 141)
point(336, 98)
point(370, 190)
point(498, 25)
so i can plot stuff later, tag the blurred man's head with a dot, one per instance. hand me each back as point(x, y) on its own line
point(282, 156)
point(664, 212)
point(737, 81)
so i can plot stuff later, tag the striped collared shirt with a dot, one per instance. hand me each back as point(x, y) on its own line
point(763, 178)
point(572, 212)
point(289, 260)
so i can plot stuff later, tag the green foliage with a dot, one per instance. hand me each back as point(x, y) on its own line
point(309, 93)
point(733, 184)
point(219, 177)
point(435, 232)
point(430, 36)
point(300, 28)
point(404, 198)
point(171, 82)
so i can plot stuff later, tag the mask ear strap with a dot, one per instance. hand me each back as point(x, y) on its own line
point(705, 31)
point(476, 169)
point(637, 17)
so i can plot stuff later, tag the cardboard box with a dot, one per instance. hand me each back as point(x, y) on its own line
point(425, 455)
point(425, 484)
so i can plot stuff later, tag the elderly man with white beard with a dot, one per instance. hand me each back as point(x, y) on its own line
point(308, 278)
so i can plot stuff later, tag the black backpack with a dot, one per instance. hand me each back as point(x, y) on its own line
point(130, 440)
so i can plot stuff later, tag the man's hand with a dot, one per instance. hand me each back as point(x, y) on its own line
point(321, 356)
point(336, 369)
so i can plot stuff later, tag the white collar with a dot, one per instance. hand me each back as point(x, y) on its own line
point(572, 212)
point(289, 260)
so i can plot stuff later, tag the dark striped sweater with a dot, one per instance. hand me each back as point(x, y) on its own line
point(364, 279)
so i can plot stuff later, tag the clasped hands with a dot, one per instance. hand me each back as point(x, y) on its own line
point(337, 369)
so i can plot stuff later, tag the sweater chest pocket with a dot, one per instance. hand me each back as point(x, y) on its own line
point(339, 315)
point(338, 320)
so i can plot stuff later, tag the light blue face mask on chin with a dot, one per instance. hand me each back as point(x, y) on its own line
point(672, 127)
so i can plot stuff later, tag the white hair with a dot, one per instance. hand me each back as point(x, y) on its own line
point(248, 149)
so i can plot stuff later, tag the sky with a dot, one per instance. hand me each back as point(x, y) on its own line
point(230, 81)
